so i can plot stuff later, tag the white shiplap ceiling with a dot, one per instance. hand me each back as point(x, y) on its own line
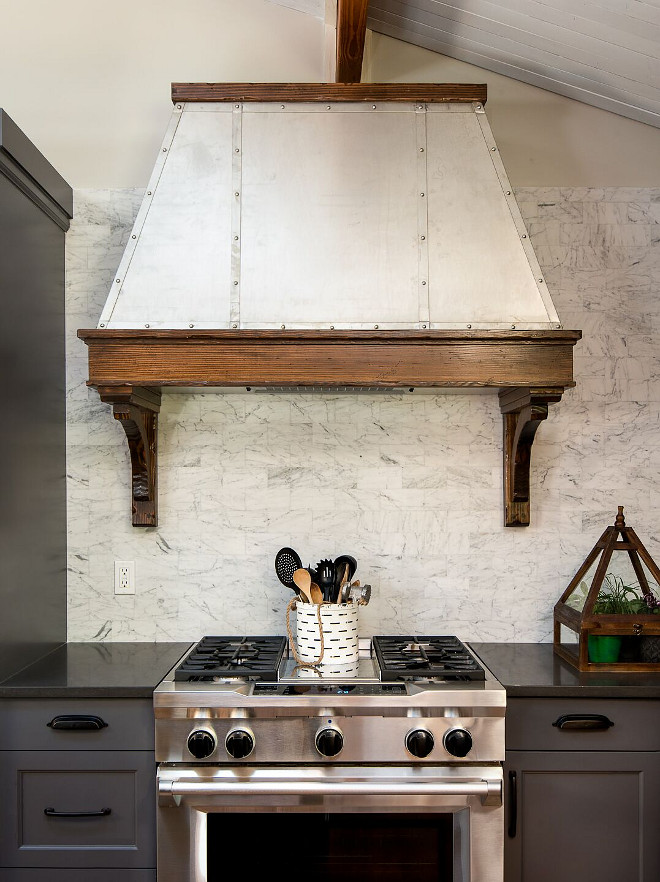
point(602, 52)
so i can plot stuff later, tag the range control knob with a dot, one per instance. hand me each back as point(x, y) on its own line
point(329, 741)
point(457, 742)
point(201, 743)
point(420, 743)
point(239, 743)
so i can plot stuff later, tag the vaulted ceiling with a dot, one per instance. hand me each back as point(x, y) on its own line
point(602, 52)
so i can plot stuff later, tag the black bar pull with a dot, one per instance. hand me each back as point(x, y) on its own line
point(53, 814)
point(513, 805)
point(584, 722)
point(77, 722)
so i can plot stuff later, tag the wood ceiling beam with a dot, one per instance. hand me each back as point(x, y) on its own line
point(351, 32)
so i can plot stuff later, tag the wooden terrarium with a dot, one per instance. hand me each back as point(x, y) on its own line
point(608, 619)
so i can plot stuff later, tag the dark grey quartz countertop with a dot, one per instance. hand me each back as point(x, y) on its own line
point(532, 669)
point(95, 670)
point(133, 670)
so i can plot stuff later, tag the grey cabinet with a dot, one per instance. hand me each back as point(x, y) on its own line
point(78, 785)
point(582, 786)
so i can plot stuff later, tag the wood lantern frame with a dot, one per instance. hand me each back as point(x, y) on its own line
point(615, 539)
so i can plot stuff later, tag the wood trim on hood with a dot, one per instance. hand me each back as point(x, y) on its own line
point(412, 93)
point(325, 358)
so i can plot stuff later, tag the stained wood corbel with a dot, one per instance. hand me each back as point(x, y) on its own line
point(137, 408)
point(523, 410)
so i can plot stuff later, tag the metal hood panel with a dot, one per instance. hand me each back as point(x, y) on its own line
point(329, 214)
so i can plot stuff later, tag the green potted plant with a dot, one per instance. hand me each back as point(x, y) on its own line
point(614, 598)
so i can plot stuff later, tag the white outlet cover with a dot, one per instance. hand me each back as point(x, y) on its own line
point(124, 577)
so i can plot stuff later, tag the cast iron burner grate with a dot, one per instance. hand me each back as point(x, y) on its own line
point(440, 658)
point(247, 658)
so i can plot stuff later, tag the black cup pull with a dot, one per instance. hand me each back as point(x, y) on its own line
point(583, 722)
point(513, 805)
point(77, 722)
point(51, 813)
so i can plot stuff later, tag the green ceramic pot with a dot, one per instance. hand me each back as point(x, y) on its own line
point(604, 649)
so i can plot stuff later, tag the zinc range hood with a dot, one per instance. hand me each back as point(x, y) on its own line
point(332, 236)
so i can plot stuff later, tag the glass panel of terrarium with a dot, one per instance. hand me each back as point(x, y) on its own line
point(567, 636)
point(578, 596)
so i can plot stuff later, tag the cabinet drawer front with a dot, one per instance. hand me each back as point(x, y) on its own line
point(582, 724)
point(70, 809)
point(125, 724)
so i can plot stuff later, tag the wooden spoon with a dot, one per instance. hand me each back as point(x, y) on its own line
point(304, 582)
point(317, 594)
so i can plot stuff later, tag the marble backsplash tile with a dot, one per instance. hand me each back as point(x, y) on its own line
point(410, 485)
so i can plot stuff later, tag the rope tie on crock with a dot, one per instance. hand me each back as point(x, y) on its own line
point(292, 643)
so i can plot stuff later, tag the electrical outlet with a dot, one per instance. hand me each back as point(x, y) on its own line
point(124, 577)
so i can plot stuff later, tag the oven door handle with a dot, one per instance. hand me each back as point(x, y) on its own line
point(171, 792)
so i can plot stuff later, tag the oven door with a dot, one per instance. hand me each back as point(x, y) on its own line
point(431, 824)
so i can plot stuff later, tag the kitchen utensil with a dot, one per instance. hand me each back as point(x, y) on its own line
point(326, 578)
point(360, 594)
point(345, 590)
point(317, 594)
point(340, 564)
point(304, 582)
point(287, 561)
point(342, 584)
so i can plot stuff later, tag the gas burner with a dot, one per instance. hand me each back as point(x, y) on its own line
point(236, 653)
point(216, 659)
point(425, 659)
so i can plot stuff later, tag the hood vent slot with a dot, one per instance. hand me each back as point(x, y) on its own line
point(334, 390)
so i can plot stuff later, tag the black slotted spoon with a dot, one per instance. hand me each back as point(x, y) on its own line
point(287, 561)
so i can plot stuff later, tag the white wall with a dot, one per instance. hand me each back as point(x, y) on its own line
point(89, 81)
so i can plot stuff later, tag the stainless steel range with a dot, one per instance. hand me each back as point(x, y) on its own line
point(392, 773)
